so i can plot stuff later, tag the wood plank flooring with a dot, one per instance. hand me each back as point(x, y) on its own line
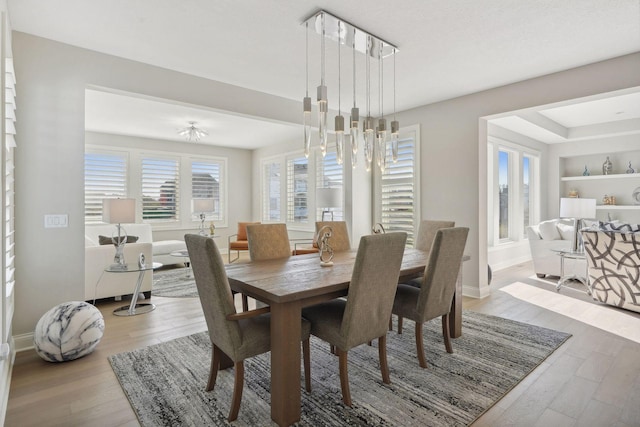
point(592, 380)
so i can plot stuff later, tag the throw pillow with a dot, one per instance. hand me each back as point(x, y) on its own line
point(566, 231)
point(104, 240)
point(549, 230)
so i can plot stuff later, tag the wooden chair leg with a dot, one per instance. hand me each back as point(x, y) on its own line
point(237, 391)
point(399, 324)
point(306, 357)
point(382, 352)
point(446, 333)
point(391, 323)
point(245, 303)
point(344, 377)
point(419, 346)
point(213, 371)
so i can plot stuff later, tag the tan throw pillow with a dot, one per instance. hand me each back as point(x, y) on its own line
point(104, 240)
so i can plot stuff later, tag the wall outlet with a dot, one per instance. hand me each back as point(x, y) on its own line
point(56, 221)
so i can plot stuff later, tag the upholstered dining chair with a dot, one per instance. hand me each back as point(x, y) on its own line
point(240, 242)
point(363, 316)
point(434, 297)
point(237, 335)
point(426, 233)
point(339, 239)
point(268, 241)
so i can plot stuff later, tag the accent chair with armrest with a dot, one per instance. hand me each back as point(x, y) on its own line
point(363, 316)
point(235, 336)
point(240, 243)
point(434, 297)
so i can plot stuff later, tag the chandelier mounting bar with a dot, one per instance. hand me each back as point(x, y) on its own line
point(339, 30)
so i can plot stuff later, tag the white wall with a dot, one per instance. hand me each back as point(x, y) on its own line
point(52, 78)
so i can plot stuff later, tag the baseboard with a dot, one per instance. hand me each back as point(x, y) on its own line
point(510, 263)
point(23, 342)
point(475, 292)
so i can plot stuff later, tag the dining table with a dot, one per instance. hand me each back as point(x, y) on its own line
point(289, 284)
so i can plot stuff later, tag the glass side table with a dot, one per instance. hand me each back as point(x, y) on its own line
point(564, 278)
point(134, 307)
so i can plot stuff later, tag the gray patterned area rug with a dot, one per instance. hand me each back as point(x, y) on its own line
point(174, 283)
point(165, 382)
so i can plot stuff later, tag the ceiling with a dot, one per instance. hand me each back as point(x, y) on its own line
point(446, 49)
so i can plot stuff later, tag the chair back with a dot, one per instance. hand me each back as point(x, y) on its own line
point(373, 287)
point(214, 292)
point(441, 273)
point(427, 232)
point(268, 241)
point(339, 240)
point(242, 230)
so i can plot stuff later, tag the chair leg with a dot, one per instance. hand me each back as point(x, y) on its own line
point(344, 377)
point(399, 324)
point(213, 371)
point(446, 334)
point(306, 356)
point(245, 303)
point(382, 352)
point(419, 346)
point(391, 323)
point(237, 391)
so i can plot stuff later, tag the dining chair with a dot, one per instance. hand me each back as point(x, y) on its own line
point(363, 316)
point(339, 240)
point(268, 241)
point(426, 233)
point(434, 297)
point(236, 335)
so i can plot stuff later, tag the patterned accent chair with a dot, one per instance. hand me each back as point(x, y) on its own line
point(613, 267)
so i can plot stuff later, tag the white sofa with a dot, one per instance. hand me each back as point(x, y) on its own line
point(544, 240)
point(97, 257)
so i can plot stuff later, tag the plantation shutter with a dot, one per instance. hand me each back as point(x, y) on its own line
point(105, 177)
point(206, 183)
point(297, 190)
point(329, 175)
point(271, 192)
point(160, 184)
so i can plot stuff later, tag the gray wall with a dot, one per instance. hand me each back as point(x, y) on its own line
point(51, 82)
point(52, 78)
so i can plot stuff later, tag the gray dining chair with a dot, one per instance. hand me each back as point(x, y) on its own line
point(237, 335)
point(268, 241)
point(426, 233)
point(438, 288)
point(363, 316)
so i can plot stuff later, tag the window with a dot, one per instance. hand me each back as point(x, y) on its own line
point(397, 192)
point(271, 180)
point(297, 190)
point(163, 183)
point(329, 175)
point(206, 183)
point(513, 201)
point(160, 178)
point(105, 176)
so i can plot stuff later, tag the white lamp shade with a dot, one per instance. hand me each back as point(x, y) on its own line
point(577, 208)
point(119, 211)
point(328, 197)
point(202, 205)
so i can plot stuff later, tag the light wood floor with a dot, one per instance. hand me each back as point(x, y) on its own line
point(592, 380)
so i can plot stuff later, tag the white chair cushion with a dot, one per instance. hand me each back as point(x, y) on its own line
point(566, 231)
point(549, 230)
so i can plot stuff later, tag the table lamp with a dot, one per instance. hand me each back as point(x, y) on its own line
point(202, 207)
point(328, 198)
point(577, 209)
point(119, 211)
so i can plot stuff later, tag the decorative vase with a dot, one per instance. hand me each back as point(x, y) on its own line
point(586, 171)
point(607, 167)
point(573, 194)
point(630, 170)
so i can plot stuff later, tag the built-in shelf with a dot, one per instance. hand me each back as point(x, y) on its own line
point(617, 207)
point(598, 177)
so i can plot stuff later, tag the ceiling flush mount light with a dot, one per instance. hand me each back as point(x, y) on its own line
point(342, 32)
point(192, 133)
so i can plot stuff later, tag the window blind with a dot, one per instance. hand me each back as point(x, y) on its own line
point(159, 185)
point(329, 174)
point(206, 183)
point(297, 190)
point(105, 176)
point(271, 192)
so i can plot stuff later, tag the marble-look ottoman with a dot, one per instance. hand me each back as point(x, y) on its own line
point(68, 331)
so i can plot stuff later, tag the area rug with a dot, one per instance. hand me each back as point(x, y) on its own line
point(174, 283)
point(165, 382)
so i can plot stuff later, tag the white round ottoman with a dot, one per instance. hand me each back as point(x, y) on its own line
point(68, 331)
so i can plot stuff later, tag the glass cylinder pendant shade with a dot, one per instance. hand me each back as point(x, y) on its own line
point(323, 111)
point(355, 135)
point(369, 141)
point(339, 127)
point(395, 130)
point(381, 151)
point(306, 120)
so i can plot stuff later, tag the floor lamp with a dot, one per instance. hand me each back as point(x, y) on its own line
point(119, 211)
point(577, 209)
point(328, 198)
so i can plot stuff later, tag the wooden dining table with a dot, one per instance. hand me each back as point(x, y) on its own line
point(287, 285)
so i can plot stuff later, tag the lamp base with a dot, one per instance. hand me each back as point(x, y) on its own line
point(326, 263)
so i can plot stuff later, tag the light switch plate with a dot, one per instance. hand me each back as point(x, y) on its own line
point(56, 221)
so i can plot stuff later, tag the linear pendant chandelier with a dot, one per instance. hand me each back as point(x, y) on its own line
point(373, 137)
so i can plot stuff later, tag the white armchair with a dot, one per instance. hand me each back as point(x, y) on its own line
point(545, 239)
